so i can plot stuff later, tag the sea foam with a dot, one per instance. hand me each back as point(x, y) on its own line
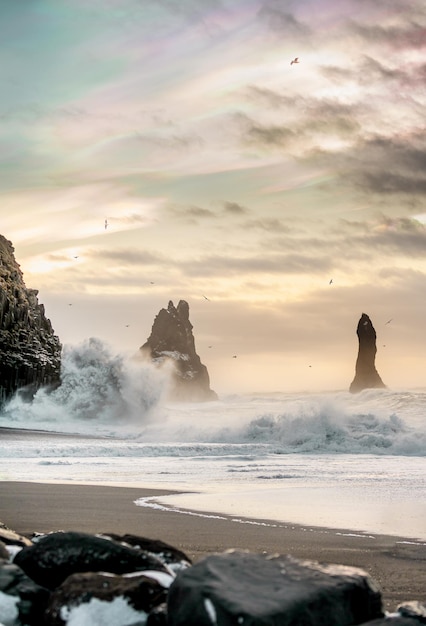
point(105, 395)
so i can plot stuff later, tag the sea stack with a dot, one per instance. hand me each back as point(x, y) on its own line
point(366, 375)
point(172, 341)
point(30, 351)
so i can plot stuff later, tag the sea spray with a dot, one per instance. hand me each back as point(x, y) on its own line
point(96, 386)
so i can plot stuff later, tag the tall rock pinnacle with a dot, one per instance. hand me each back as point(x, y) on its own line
point(366, 375)
point(30, 352)
point(172, 340)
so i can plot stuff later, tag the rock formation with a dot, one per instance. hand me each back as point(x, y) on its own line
point(366, 375)
point(30, 351)
point(172, 341)
point(70, 578)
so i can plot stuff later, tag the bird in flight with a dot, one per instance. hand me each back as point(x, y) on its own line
point(206, 297)
point(235, 356)
point(389, 321)
point(331, 281)
point(106, 224)
point(295, 60)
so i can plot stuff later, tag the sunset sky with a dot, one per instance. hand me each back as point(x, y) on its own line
point(223, 171)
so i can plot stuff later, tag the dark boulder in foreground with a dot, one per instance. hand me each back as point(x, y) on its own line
point(101, 597)
point(172, 341)
point(56, 556)
point(174, 559)
point(366, 375)
point(30, 351)
point(243, 588)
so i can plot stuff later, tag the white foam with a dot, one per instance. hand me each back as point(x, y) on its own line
point(101, 613)
point(9, 608)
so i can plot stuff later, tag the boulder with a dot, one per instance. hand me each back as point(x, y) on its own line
point(413, 609)
point(243, 588)
point(4, 554)
point(56, 556)
point(20, 597)
point(11, 538)
point(171, 341)
point(366, 375)
point(30, 351)
point(174, 558)
point(100, 598)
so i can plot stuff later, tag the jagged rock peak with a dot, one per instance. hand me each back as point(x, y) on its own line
point(172, 341)
point(366, 375)
point(30, 351)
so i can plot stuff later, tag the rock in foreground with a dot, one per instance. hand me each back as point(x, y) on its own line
point(172, 341)
point(30, 351)
point(366, 375)
point(243, 588)
point(158, 586)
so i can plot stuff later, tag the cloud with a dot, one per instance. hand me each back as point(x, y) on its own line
point(381, 165)
point(281, 21)
point(411, 34)
point(191, 214)
point(284, 263)
point(234, 208)
point(133, 256)
point(276, 136)
point(272, 225)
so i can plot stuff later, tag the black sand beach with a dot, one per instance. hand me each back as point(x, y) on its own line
point(398, 565)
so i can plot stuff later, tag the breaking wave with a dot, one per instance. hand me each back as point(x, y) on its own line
point(104, 395)
point(97, 386)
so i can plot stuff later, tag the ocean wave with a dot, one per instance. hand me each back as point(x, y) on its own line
point(120, 402)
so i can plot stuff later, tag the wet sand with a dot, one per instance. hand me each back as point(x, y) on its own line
point(397, 565)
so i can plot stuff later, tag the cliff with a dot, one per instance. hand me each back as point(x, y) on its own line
point(366, 375)
point(30, 352)
point(172, 341)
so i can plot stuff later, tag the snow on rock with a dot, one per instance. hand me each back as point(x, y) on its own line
point(100, 613)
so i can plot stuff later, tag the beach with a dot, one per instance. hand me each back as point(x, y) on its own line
point(396, 564)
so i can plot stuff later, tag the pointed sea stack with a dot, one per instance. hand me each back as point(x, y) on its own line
point(172, 340)
point(366, 375)
point(30, 352)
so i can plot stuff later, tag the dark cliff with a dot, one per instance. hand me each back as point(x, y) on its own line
point(30, 352)
point(172, 340)
point(366, 375)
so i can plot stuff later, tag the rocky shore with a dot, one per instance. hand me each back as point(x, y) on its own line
point(81, 579)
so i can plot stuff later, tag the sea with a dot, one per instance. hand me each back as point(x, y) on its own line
point(352, 462)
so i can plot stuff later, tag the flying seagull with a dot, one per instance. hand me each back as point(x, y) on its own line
point(295, 60)
point(206, 297)
point(331, 281)
point(389, 321)
point(106, 224)
point(235, 356)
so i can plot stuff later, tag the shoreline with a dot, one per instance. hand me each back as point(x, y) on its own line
point(396, 564)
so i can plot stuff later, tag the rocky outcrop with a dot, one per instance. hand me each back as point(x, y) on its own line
point(30, 351)
point(172, 341)
point(366, 375)
point(114, 581)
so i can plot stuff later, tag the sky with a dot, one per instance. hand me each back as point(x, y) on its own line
point(229, 177)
